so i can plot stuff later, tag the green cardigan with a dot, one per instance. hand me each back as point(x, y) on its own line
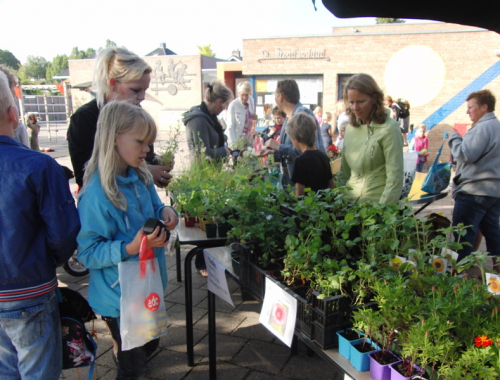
point(372, 162)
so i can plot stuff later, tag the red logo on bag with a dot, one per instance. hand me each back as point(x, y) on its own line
point(152, 302)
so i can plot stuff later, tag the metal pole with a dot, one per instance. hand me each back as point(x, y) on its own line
point(47, 115)
point(21, 101)
point(67, 102)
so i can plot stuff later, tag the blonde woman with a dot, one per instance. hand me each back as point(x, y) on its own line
point(119, 74)
point(32, 123)
point(240, 115)
point(117, 198)
point(203, 129)
point(318, 113)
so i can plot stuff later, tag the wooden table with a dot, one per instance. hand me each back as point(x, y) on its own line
point(193, 236)
point(332, 356)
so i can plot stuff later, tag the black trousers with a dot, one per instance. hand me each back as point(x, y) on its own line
point(131, 363)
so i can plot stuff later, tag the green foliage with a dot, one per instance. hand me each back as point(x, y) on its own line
point(8, 59)
point(34, 68)
point(385, 20)
point(58, 64)
point(168, 149)
point(81, 54)
point(206, 50)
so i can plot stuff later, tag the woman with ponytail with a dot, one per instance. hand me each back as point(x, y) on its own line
point(203, 129)
point(119, 74)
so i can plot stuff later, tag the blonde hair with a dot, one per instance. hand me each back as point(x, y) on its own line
point(117, 63)
point(244, 86)
point(218, 90)
point(117, 117)
point(328, 116)
point(422, 126)
point(340, 107)
point(318, 110)
point(365, 84)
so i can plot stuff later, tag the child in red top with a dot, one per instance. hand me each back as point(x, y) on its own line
point(420, 144)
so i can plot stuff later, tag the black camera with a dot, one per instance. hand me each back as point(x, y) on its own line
point(151, 225)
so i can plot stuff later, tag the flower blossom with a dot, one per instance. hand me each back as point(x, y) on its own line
point(483, 340)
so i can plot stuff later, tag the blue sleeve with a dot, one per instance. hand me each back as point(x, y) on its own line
point(57, 210)
point(411, 148)
point(96, 247)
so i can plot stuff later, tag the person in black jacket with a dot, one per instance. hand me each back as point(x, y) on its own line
point(119, 75)
point(203, 129)
point(204, 132)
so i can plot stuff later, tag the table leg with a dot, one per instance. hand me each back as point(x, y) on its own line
point(212, 356)
point(178, 262)
point(188, 287)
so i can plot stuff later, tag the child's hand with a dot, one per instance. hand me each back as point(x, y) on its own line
point(153, 241)
point(170, 219)
point(157, 238)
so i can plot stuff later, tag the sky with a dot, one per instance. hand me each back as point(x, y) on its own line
point(52, 27)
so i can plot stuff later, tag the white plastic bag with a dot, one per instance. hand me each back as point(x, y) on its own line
point(142, 309)
point(410, 167)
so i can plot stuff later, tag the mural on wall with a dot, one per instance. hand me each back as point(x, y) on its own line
point(174, 79)
point(415, 73)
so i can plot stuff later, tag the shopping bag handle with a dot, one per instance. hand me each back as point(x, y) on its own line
point(445, 135)
point(145, 254)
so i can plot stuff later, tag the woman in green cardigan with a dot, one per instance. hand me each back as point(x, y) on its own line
point(372, 158)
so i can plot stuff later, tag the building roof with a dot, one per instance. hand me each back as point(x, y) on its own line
point(162, 50)
point(62, 75)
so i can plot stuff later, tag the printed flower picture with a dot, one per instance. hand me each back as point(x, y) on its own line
point(397, 261)
point(278, 318)
point(493, 282)
point(439, 264)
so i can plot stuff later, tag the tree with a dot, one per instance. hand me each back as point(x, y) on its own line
point(58, 64)
point(34, 68)
point(206, 50)
point(80, 54)
point(8, 59)
point(384, 20)
point(110, 43)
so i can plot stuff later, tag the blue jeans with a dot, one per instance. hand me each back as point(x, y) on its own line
point(30, 339)
point(132, 364)
point(483, 214)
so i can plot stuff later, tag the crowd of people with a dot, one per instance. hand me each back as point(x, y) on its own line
point(110, 142)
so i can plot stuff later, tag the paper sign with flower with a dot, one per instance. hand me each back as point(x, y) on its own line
point(279, 312)
point(439, 264)
point(493, 281)
point(449, 255)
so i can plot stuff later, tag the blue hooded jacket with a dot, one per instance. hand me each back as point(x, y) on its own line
point(105, 232)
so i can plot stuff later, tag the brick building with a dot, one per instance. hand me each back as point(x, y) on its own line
point(435, 66)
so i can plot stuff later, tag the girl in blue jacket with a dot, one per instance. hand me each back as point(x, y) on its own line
point(117, 198)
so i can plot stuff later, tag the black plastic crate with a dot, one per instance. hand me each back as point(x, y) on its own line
point(251, 276)
point(329, 315)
